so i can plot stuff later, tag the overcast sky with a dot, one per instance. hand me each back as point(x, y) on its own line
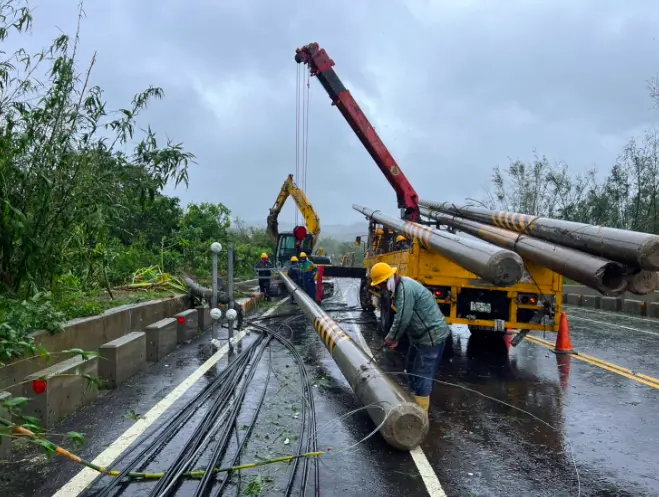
point(453, 87)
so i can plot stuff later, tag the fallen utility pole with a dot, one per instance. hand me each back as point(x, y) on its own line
point(640, 250)
point(604, 275)
point(403, 423)
point(499, 266)
point(206, 294)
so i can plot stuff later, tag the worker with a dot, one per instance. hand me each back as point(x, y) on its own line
point(264, 270)
point(401, 243)
point(308, 271)
point(294, 271)
point(418, 316)
point(377, 240)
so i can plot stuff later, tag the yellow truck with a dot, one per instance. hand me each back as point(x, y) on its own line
point(532, 303)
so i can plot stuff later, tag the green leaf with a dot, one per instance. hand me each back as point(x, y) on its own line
point(48, 446)
point(76, 438)
point(15, 402)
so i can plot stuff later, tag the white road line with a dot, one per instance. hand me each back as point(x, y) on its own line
point(615, 325)
point(79, 482)
point(428, 475)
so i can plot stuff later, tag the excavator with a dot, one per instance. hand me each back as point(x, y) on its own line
point(301, 239)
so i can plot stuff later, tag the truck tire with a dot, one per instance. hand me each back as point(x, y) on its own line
point(365, 299)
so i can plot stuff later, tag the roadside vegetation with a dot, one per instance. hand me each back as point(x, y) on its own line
point(626, 198)
point(84, 223)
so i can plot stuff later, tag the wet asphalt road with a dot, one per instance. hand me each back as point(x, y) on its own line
point(600, 422)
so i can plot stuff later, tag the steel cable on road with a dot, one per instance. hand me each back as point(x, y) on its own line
point(206, 429)
point(166, 432)
point(307, 395)
point(219, 451)
point(240, 444)
point(221, 387)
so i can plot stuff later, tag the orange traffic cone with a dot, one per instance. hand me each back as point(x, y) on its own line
point(563, 341)
point(563, 363)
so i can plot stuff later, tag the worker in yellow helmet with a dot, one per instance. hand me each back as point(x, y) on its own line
point(308, 270)
point(377, 240)
point(401, 243)
point(264, 271)
point(418, 316)
point(294, 271)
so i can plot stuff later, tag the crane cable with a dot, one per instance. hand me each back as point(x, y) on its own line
point(305, 106)
point(297, 128)
point(302, 92)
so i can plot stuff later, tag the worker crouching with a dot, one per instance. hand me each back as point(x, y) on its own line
point(308, 272)
point(419, 316)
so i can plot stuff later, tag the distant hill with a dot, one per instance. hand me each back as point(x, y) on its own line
point(341, 232)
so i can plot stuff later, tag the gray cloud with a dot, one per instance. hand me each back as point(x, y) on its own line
point(453, 88)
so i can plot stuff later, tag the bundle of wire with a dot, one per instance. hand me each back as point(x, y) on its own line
point(225, 394)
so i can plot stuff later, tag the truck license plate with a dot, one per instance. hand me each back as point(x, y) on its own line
point(480, 307)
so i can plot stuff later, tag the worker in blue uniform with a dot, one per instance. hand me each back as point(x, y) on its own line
point(294, 271)
point(308, 271)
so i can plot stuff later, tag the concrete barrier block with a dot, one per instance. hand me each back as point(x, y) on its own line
point(634, 307)
point(142, 315)
point(122, 358)
point(177, 304)
point(160, 339)
point(116, 322)
point(187, 325)
point(611, 304)
point(591, 301)
point(204, 317)
point(67, 390)
point(573, 299)
point(653, 309)
point(5, 442)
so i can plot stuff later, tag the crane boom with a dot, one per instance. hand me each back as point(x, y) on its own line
point(320, 65)
point(311, 219)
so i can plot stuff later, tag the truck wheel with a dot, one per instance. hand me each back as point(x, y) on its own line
point(365, 299)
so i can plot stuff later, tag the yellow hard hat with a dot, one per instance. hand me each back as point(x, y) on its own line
point(293, 259)
point(379, 231)
point(303, 255)
point(381, 272)
point(401, 238)
point(264, 255)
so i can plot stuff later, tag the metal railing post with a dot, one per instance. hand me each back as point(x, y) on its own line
point(230, 290)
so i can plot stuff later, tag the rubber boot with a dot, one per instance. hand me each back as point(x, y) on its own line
point(424, 402)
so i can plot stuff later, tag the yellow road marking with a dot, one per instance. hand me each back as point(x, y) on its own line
point(600, 363)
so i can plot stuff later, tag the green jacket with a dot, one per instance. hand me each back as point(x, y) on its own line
point(417, 314)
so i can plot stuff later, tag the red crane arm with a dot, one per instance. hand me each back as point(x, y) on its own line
point(320, 65)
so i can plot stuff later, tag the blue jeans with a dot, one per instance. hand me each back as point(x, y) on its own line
point(422, 366)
